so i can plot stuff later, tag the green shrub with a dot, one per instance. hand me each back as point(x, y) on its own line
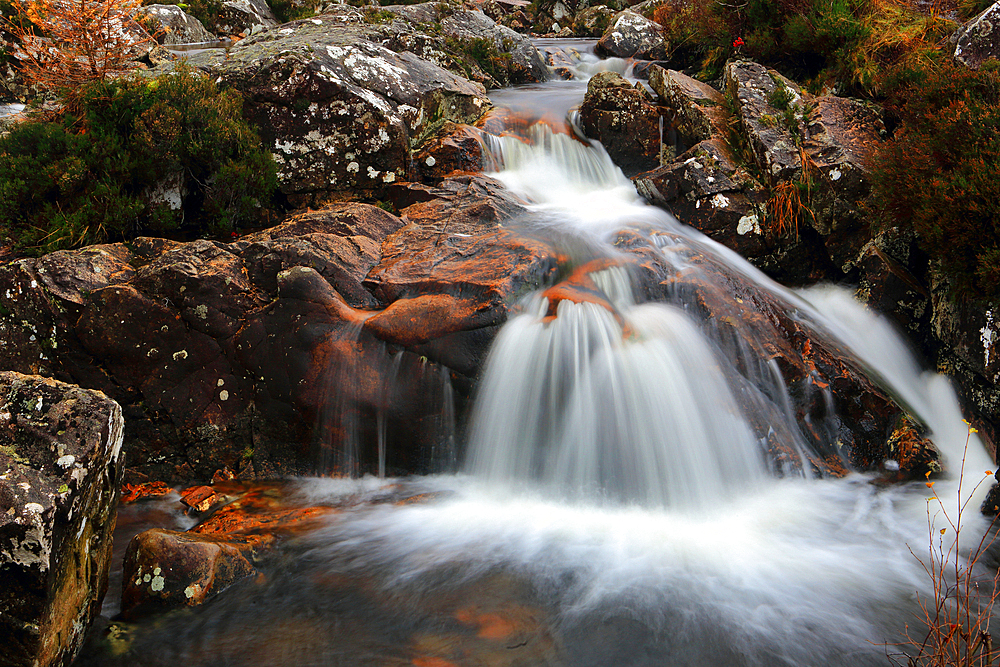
point(939, 174)
point(88, 177)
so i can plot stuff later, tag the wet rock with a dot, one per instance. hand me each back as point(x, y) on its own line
point(844, 420)
point(176, 25)
point(456, 148)
point(244, 16)
point(978, 40)
point(632, 35)
point(458, 244)
point(339, 111)
point(695, 112)
point(969, 335)
point(623, 118)
point(342, 243)
point(60, 474)
point(166, 569)
point(225, 354)
point(769, 108)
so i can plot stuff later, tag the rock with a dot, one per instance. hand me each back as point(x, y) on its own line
point(695, 107)
point(624, 120)
point(60, 474)
point(593, 21)
point(455, 246)
point(177, 26)
point(224, 354)
point(841, 137)
point(166, 569)
point(751, 323)
point(706, 188)
point(889, 267)
point(632, 35)
point(456, 148)
point(339, 111)
point(969, 336)
point(524, 65)
point(243, 16)
point(978, 40)
point(768, 107)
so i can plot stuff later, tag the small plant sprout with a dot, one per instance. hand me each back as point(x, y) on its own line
point(957, 616)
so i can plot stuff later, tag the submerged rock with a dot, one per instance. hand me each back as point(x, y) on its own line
point(61, 469)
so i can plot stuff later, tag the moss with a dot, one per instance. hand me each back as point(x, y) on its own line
point(9, 451)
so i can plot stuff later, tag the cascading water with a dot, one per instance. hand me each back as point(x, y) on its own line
point(616, 484)
point(593, 405)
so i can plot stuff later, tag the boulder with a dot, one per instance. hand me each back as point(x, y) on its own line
point(632, 35)
point(695, 108)
point(61, 469)
point(176, 25)
point(624, 119)
point(707, 188)
point(193, 396)
point(339, 111)
point(769, 110)
point(841, 137)
point(244, 16)
point(456, 148)
point(520, 61)
point(593, 21)
point(978, 40)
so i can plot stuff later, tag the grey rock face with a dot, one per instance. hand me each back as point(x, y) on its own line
point(60, 475)
point(978, 40)
point(239, 16)
point(624, 119)
point(763, 119)
point(178, 26)
point(632, 35)
point(339, 111)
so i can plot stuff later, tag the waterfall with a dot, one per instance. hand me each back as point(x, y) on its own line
point(627, 406)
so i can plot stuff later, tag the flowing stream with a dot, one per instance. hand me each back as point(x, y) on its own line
point(614, 486)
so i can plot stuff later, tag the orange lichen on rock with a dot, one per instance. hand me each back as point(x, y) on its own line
point(134, 492)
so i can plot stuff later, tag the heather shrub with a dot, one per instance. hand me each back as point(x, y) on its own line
point(852, 44)
point(939, 173)
point(98, 173)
